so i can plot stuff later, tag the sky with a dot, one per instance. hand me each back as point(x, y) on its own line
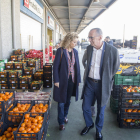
point(112, 21)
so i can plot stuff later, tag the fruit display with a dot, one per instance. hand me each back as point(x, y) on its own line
point(15, 114)
point(19, 51)
point(36, 84)
point(41, 108)
point(8, 134)
point(29, 71)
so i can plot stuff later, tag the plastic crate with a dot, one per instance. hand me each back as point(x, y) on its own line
point(1, 121)
point(128, 115)
point(4, 80)
point(4, 86)
point(47, 68)
point(9, 65)
point(125, 94)
point(32, 136)
point(13, 86)
point(4, 74)
point(36, 85)
point(16, 57)
point(38, 76)
point(45, 130)
point(5, 105)
point(19, 51)
point(29, 71)
point(14, 73)
point(25, 79)
point(130, 125)
point(13, 80)
point(19, 66)
point(24, 86)
point(126, 80)
point(16, 117)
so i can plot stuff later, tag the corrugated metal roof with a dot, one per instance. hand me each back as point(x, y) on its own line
point(75, 15)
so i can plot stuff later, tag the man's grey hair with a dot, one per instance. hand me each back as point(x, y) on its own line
point(98, 31)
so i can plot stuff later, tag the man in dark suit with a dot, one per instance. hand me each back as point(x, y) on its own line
point(102, 64)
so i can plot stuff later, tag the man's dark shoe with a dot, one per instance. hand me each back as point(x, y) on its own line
point(66, 120)
point(99, 136)
point(61, 127)
point(86, 129)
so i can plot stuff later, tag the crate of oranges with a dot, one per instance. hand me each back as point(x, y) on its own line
point(7, 131)
point(129, 113)
point(129, 123)
point(40, 106)
point(31, 127)
point(19, 51)
point(38, 75)
point(36, 85)
point(15, 114)
point(6, 100)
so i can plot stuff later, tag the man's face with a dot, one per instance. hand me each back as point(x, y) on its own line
point(95, 40)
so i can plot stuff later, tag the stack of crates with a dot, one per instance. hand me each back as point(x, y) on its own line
point(129, 107)
point(47, 76)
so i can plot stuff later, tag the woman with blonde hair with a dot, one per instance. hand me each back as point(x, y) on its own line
point(66, 76)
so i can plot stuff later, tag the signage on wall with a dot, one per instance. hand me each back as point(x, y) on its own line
point(34, 7)
point(50, 21)
point(57, 28)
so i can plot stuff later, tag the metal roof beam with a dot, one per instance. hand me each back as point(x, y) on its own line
point(78, 7)
point(91, 1)
point(69, 13)
point(75, 18)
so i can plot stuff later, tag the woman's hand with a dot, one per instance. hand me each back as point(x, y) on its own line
point(56, 84)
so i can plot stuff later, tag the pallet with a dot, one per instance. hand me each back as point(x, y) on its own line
point(24, 90)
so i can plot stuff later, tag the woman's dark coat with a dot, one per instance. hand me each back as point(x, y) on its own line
point(60, 74)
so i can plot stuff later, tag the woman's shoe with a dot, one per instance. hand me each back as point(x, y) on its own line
point(61, 127)
point(66, 120)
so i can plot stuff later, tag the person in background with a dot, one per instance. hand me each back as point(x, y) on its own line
point(84, 62)
point(78, 43)
point(102, 63)
point(108, 40)
point(66, 76)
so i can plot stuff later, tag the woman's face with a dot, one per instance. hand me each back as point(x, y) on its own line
point(73, 43)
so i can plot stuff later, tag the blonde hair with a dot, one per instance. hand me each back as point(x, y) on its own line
point(68, 38)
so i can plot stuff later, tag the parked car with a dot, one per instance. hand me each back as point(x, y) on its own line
point(84, 45)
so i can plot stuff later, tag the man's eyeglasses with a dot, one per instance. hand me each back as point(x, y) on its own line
point(91, 37)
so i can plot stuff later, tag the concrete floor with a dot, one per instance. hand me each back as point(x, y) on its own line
point(76, 123)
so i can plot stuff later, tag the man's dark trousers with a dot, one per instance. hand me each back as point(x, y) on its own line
point(93, 88)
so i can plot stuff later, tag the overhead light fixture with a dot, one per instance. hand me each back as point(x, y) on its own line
point(96, 1)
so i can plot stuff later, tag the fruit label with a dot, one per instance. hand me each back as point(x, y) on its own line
point(3, 87)
point(13, 81)
point(132, 123)
point(2, 75)
point(135, 104)
point(13, 58)
point(47, 80)
point(34, 87)
point(3, 81)
point(136, 94)
point(8, 66)
point(18, 67)
point(47, 86)
point(23, 87)
point(27, 72)
point(23, 81)
point(13, 87)
point(13, 75)
point(31, 64)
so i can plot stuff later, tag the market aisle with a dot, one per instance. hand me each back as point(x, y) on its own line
point(76, 123)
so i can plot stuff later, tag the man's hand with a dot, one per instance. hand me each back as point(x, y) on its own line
point(56, 84)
